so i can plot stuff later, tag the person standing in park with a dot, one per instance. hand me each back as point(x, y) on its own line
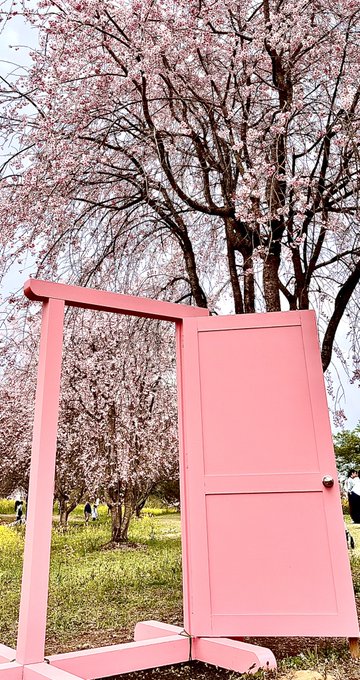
point(348, 487)
point(19, 513)
point(87, 511)
point(354, 505)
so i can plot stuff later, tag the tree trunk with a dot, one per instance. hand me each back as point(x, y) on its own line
point(271, 283)
point(129, 509)
point(141, 493)
point(63, 518)
point(67, 505)
point(341, 302)
point(121, 516)
point(64, 513)
point(249, 282)
point(235, 285)
point(139, 506)
point(116, 522)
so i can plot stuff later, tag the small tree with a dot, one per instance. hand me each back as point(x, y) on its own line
point(120, 375)
point(117, 433)
point(347, 449)
point(17, 396)
point(70, 476)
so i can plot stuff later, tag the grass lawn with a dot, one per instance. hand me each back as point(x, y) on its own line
point(97, 596)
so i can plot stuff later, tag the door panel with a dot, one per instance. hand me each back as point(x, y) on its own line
point(263, 539)
point(266, 394)
point(279, 552)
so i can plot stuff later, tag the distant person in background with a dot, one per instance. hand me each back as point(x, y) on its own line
point(19, 513)
point(87, 511)
point(348, 487)
point(94, 512)
point(355, 499)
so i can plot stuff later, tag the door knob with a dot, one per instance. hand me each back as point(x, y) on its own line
point(328, 481)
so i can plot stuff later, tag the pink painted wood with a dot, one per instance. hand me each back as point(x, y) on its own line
point(6, 653)
point(264, 539)
point(232, 654)
point(89, 298)
point(34, 591)
point(39, 671)
point(11, 671)
point(146, 630)
point(124, 658)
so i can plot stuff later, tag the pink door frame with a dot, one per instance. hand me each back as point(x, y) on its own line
point(155, 644)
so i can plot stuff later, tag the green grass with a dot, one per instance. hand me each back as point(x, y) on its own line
point(78, 513)
point(94, 590)
point(96, 596)
point(155, 512)
point(11, 553)
point(7, 507)
point(355, 554)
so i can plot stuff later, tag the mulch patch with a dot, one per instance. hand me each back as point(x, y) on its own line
point(128, 546)
point(194, 670)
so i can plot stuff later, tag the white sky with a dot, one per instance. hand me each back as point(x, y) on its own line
point(349, 395)
point(15, 33)
point(15, 41)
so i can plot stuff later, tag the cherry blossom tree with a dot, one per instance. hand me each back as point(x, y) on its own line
point(210, 145)
point(71, 460)
point(15, 438)
point(120, 374)
point(117, 434)
point(17, 395)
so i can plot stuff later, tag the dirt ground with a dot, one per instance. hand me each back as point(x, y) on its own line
point(327, 656)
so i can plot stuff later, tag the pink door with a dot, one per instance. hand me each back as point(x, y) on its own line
point(263, 538)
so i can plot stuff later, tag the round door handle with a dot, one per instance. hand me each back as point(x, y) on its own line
point(328, 481)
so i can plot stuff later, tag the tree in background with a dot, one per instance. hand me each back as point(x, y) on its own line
point(117, 435)
point(17, 398)
point(347, 449)
point(71, 463)
point(119, 372)
point(196, 149)
point(15, 437)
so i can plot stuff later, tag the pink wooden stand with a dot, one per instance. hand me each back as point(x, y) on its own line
point(264, 550)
